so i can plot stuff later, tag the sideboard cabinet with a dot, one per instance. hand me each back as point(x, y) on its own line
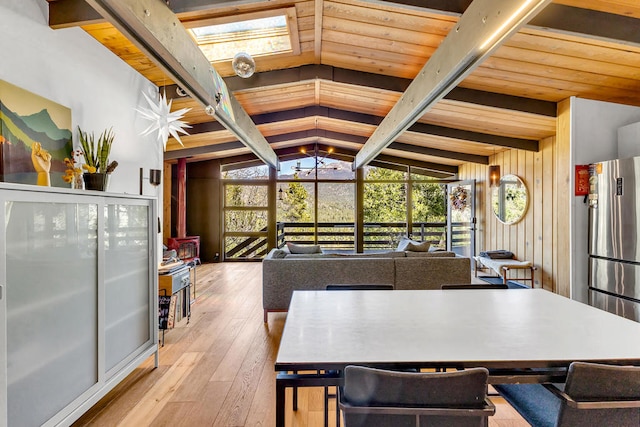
point(78, 299)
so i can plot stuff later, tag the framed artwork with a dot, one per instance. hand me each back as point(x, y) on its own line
point(27, 119)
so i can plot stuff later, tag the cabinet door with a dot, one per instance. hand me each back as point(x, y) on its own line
point(127, 271)
point(51, 306)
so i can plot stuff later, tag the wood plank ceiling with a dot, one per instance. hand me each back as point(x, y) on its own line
point(357, 57)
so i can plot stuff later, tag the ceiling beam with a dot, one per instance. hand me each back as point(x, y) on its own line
point(315, 134)
point(454, 7)
point(482, 138)
point(523, 144)
point(393, 162)
point(338, 153)
point(586, 22)
point(156, 30)
point(482, 28)
point(555, 17)
point(239, 162)
point(205, 149)
point(381, 81)
point(434, 152)
point(421, 128)
point(71, 13)
point(436, 167)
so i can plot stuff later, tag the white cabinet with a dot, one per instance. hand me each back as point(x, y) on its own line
point(79, 296)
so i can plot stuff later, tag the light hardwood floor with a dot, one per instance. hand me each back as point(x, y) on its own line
point(217, 370)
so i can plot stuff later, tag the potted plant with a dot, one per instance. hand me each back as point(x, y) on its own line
point(96, 158)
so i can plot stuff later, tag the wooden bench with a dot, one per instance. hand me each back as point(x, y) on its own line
point(503, 266)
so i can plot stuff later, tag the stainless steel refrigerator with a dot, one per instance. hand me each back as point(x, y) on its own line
point(614, 240)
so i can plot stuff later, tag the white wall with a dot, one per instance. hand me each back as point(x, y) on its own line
point(594, 138)
point(71, 68)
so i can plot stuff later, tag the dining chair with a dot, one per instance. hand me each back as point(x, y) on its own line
point(382, 398)
point(341, 287)
point(475, 286)
point(594, 394)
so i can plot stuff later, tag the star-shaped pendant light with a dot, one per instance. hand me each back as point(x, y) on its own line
point(163, 120)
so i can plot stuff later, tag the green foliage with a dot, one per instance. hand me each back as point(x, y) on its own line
point(96, 153)
point(512, 204)
point(429, 203)
point(382, 174)
point(246, 195)
point(384, 202)
point(295, 204)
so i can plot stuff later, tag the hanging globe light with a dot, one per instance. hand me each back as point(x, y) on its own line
point(243, 65)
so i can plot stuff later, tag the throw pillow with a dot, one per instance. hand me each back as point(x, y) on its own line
point(279, 253)
point(407, 244)
point(418, 247)
point(303, 249)
point(402, 245)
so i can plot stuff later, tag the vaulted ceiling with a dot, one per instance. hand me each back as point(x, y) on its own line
point(356, 58)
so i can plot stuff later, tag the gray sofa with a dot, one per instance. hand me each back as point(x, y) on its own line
point(403, 270)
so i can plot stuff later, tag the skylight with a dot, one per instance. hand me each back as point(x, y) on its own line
point(266, 35)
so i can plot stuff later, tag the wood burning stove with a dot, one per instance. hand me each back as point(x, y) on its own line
point(187, 248)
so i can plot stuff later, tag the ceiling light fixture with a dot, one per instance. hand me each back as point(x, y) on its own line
point(165, 122)
point(494, 172)
point(243, 65)
point(494, 175)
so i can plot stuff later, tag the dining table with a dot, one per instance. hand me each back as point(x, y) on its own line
point(527, 335)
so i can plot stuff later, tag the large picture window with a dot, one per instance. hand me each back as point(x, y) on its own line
point(245, 220)
point(315, 203)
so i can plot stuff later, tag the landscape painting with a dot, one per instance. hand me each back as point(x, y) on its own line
point(27, 119)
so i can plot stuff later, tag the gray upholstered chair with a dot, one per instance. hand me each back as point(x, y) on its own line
point(342, 287)
point(593, 395)
point(377, 397)
point(476, 286)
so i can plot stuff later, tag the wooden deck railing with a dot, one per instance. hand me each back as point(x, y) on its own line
point(340, 236)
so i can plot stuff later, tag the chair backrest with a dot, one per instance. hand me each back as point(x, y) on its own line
point(376, 397)
point(605, 384)
point(476, 286)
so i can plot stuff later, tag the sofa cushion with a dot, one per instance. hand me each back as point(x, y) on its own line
point(303, 249)
point(418, 247)
point(310, 255)
point(437, 254)
point(389, 254)
point(279, 253)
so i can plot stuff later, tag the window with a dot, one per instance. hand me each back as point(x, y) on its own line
point(245, 218)
point(258, 34)
point(239, 172)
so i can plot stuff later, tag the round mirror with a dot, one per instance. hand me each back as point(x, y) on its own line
point(510, 199)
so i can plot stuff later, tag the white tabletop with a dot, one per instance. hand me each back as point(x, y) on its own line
point(492, 328)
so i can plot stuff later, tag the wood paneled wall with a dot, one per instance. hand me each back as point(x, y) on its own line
point(539, 236)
